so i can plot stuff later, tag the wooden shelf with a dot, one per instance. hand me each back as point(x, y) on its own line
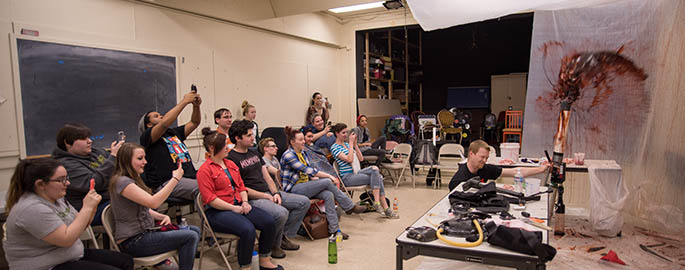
point(386, 80)
point(399, 40)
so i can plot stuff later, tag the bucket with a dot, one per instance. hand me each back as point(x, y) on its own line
point(510, 151)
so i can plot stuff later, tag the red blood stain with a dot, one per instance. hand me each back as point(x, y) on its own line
point(605, 89)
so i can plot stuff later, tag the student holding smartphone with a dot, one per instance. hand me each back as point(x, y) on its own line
point(83, 163)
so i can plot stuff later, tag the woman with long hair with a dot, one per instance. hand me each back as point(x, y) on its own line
point(250, 113)
point(225, 195)
point(345, 151)
point(134, 220)
point(298, 176)
point(377, 148)
point(317, 106)
point(43, 229)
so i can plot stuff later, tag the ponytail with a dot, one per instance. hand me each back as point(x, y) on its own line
point(27, 172)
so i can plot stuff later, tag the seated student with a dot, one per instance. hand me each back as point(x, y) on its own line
point(228, 211)
point(43, 229)
point(479, 152)
point(223, 119)
point(316, 106)
point(377, 148)
point(287, 209)
point(316, 154)
point(273, 166)
point(344, 153)
point(134, 219)
point(250, 113)
point(323, 137)
point(164, 148)
point(299, 177)
point(74, 150)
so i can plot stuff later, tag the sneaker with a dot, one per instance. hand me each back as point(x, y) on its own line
point(167, 265)
point(286, 244)
point(391, 214)
point(344, 235)
point(277, 253)
point(357, 209)
point(377, 206)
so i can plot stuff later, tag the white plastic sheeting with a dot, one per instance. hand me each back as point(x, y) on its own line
point(436, 14)
point(608, 194)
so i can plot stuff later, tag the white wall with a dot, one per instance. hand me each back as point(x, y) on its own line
point(229, 63)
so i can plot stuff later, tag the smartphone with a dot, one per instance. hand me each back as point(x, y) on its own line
point(193, 88)
point(330, 123)
point(121, 136)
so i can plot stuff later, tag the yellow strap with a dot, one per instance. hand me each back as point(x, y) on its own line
point(480, 237)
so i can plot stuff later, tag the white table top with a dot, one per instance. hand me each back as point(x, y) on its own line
point(588, 162)
point(439, 213)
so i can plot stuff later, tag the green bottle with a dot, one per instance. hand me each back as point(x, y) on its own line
point(332, 251)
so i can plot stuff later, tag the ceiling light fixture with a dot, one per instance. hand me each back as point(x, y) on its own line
point(357, 7)
point(393, 4)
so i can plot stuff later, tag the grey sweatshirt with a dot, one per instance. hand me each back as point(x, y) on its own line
point(80, 169)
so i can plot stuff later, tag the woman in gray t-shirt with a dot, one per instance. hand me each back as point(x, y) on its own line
point(134, 219)
point(43, 230)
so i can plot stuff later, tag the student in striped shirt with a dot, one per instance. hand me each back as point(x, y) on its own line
point(344, 150)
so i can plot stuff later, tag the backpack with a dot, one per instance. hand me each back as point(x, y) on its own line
point(424, 153)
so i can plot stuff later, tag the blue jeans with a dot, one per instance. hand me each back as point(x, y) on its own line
point(245, 227)
point(150, 243)
point(288, 216)
point(367, 176)
point(325, 190)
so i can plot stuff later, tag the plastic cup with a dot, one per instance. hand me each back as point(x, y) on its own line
point(532, 186)
point(579, 158)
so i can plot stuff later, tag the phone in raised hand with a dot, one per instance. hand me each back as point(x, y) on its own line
point(121, 136)
point(92, 183)
point(193, 89)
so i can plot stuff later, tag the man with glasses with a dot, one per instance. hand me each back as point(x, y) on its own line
point(287, 209)
point(74, 150)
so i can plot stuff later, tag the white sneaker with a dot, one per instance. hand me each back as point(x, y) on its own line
point(389, 213)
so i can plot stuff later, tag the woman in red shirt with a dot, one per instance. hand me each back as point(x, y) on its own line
point(225, 196)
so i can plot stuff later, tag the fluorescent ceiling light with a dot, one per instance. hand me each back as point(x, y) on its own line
point(357, 7)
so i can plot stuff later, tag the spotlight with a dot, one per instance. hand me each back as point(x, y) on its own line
point(393, 4)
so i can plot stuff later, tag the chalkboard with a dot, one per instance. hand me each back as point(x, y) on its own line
point(106, 90)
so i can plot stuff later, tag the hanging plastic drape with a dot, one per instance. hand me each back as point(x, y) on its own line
point(622, 65)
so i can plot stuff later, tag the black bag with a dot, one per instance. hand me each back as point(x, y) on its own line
point(424, 153)
point(485, 199)
point(520, 240)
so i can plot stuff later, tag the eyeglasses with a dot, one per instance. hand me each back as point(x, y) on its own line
point(63, 180)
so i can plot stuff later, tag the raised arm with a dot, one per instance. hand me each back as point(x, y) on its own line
point(195, 118)
point(65, 236)
point(525, 171)
point(140, 196)
point(169, 118)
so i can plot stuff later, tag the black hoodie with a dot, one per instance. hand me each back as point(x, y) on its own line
point(99, 165)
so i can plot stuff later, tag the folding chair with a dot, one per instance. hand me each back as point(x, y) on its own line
point(449, 156)
point(350, 190)
point(215, 235)
point(108, 223)
point(88, 234)
point(404, 151)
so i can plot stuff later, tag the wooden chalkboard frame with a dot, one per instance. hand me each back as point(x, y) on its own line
point(19, 110)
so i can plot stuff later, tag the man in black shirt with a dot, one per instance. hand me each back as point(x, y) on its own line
point(164, 147)
point(479, 151)
point(288, 209)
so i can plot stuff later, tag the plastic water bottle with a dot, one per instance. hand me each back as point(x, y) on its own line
point(255, 261)
point(183, 225)
point(519, 181)
point(332, 251)
point(338, 239)
point(395, 205)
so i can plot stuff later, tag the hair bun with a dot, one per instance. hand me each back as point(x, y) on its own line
point(206, 131)
point(244, 104)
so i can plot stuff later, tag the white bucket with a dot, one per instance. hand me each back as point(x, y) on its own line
point(532, 186)
point(510, 151)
